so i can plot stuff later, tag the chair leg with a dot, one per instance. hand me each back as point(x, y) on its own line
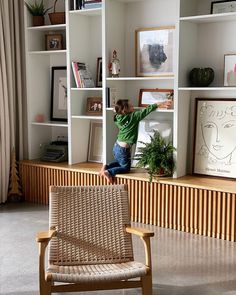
point(147, 285)
point(45, 288)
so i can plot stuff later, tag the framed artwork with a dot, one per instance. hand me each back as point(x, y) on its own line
point(95, 142)
point(215, 137)
point(151, 96)
point(223, 6)
point(94, 106)
point(146, 129)
point(99, 72)
point(154, 51)
point(230, 70)
point(59, 94)
point(53, 41)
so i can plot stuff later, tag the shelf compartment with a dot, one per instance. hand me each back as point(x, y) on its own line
point(208, 18)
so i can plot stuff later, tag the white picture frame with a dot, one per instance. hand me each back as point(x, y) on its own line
point(230, 70)
point(95, 150)
point(154, 51)
point(215, 137)
point(223, 6)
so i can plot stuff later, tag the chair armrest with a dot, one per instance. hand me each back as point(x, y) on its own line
point(45, 236)
point(144, 235)
point(141, 232)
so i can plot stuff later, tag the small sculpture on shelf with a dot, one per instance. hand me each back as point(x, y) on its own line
point(201, 77)
point(114, 65)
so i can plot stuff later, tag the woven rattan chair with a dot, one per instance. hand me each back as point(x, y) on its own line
point(90, 242)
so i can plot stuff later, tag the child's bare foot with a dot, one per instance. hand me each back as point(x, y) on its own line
point(101, 173)
point(108, 176)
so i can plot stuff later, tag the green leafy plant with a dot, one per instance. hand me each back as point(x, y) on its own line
point(156, 156)
point(37, 9)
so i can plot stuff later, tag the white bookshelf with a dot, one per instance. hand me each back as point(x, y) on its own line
point(92, 33)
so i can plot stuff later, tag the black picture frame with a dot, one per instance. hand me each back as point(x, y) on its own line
point(227, 6)
point(99, 72)
point(59, 94)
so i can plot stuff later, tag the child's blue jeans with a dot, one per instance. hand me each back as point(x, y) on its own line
point(122, 162)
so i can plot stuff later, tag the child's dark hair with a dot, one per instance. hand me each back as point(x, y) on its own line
point(122, 106)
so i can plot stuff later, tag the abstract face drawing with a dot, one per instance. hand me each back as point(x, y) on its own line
point(218, 128)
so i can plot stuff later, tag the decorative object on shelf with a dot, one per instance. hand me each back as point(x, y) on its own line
point(230, 70)
point(156, 156)
point(201, 77)
point(38, 11)
point(94, 106)
point(91, 4)
point(215, 137)
point(39, 118)
point(57, 18)
point(223, 6)
point(99, 72)
point(154, 51)
point(59, 94)
point(56, 151)
point(82, 75)
point(14, 193)
point(53, 41)
point(114, 65)
point(151, 96)
point(95, 142)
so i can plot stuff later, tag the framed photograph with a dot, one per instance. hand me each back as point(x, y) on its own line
point(95, 142)
point(94, 106)
point(151, 96)
point(230, 70)
point(59, 94)
point(53, 41)
point(223, 6)
point(99, 72)
point(154, 51)
point(146, 129)
point(215, 137)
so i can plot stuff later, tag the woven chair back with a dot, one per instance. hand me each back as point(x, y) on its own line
point(90, 221)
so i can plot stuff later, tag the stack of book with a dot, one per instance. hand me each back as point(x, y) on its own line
point(85, 4)
point(82, 75)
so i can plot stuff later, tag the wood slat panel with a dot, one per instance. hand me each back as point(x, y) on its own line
point(191, 209)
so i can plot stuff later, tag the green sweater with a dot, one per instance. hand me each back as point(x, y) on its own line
point(128, 124)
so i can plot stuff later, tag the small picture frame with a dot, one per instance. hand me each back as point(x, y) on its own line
point(59, 94)
point(94, 106)
point(154, 51)
point(223, 6)
point(95, 142)
point(99, 72)
point(53, 41)
point(151, 96)
point(230, 70)
point(215, 137)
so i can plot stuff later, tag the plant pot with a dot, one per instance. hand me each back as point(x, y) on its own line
point(38, 20)
point(57, 18)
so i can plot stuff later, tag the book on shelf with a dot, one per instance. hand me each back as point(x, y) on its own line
point(82, 75)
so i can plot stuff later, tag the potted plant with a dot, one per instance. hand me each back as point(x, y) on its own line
point(56, 18)
point(156, 156)
point(38, 11)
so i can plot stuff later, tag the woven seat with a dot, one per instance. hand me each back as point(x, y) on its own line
point(90, 245)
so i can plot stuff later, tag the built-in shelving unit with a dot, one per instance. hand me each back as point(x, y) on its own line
point(92, 33)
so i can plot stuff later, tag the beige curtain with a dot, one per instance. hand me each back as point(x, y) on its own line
point(12, 88)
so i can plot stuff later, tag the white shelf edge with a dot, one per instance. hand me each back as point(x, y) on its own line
point(229, 16)
point(207, 88)
point(47, 27)
point(51, 124)
point(81, 89)
point(47, 52)
point(158, 110)
point(89, 12)
point(141, 78)
point(87, 117)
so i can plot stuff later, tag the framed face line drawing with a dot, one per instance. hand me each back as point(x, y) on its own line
point(215, 137)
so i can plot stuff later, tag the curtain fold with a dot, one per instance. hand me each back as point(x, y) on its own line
point(12, 88)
